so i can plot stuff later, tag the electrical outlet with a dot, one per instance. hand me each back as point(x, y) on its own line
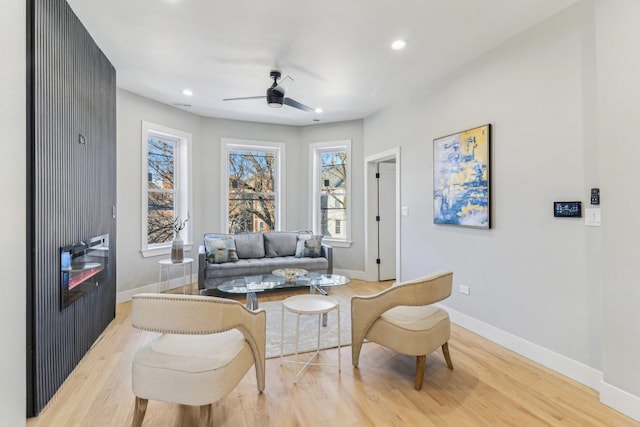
point(464, 290)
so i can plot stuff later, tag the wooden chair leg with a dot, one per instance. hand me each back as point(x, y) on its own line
point(205, 415)
point(447, 356)
point(139, 411)
point(420, 362)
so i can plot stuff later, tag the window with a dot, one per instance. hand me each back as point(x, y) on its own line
point(165, 187)
point(331, 180)
point(251, 180)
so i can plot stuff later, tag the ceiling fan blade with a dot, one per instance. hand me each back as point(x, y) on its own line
point(284, 84)
point(295, 104)
point(245, 97)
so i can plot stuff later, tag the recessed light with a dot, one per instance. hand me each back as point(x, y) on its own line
point(318, 110)
point(398, 44)
point(187, 92)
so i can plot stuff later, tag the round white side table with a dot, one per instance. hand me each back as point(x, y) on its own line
point(308, 304)
point(166, 264)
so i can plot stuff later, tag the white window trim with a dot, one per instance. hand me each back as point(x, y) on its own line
point(184, 171)
point(248, 144)
point(314, 186)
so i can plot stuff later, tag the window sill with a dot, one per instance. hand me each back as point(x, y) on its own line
point(338, 243)
point(162, 250)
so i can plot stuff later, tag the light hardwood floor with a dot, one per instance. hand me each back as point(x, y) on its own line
point(489, 386)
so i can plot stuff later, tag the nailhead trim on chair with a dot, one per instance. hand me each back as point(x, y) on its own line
point(200, 299)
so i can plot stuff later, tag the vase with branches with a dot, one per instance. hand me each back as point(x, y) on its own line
point(177, 245)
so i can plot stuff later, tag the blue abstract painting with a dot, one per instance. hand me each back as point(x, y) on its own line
point(461, 178)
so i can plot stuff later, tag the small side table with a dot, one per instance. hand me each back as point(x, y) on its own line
point(308, 304)
point(167, 264)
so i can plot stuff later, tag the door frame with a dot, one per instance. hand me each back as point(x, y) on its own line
point(370, 212)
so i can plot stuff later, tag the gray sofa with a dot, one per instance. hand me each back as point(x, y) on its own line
point(225, 257)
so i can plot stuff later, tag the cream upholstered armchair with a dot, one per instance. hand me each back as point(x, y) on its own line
point(401, 319)
point(207, 347)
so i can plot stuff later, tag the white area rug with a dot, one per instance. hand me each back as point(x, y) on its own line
point(308, 328)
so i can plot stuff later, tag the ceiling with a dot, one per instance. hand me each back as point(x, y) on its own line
point(337, 51)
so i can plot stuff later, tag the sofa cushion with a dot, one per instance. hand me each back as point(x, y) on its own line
point(220, 250)
point(249, 245)
point(309, 246)
point(280, 243)
point(254, 267)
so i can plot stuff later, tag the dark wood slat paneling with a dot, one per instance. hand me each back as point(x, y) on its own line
point(73, 191)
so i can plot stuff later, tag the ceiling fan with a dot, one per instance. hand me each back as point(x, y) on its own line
point(275, 94)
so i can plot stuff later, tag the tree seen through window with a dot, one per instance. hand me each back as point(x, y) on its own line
point(160, 190)
point(252, 190)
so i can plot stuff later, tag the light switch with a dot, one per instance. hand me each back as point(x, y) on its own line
point(592, 217)
point(405, 211)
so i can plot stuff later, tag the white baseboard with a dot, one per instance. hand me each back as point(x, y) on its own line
point(620, 400)
point(571, 368)
point(125, 296)
point(351, 274)
point(175, 282)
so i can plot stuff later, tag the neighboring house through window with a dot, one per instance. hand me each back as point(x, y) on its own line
point(165, 187)
point(330, 187)
point(252, 175)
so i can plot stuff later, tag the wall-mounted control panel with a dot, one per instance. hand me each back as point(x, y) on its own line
point(595, 196)
point(567, 209)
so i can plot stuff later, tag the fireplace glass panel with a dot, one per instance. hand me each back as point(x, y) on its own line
point(83, 267)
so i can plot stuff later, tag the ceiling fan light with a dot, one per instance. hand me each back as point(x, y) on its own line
point(318, 110)
point(274, 98)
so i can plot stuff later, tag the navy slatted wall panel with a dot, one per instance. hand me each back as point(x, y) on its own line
point(73, 192)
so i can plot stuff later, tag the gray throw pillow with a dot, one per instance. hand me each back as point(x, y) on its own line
point(220, 250)
point(280, 243)
point(249, 245)
point(309, 246)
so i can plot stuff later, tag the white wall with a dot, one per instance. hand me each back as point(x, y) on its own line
point(618, 41)
point(133, 270)
point(528, 273)
point(564, 117)
point(13, 251)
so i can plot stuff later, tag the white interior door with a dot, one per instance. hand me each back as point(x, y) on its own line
point(387, 223)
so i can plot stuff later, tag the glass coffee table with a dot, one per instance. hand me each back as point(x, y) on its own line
point(251, 285)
